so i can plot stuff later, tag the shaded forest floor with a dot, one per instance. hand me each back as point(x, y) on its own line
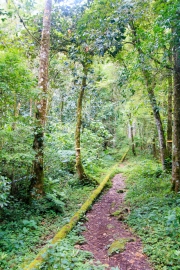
point(108, 238)
point(149, 208)
point(26, 229)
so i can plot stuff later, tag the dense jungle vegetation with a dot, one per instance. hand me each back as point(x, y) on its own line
point(80, 82)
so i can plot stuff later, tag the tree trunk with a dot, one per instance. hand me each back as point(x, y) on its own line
point(38, 144)
point(169, 120)
point(62, 109)
point(161, 136)
point(79, 167)
point(17, 106)
point(131, 131)
point(154, 148)
point(150, 89)
point(132, 141)
point(30, 107)
point(176, 122)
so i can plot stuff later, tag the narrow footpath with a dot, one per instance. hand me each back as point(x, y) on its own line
point(108, 238)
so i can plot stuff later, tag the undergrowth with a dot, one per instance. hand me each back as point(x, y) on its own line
point(66, 256)
point(155, 212)
point(25, 229)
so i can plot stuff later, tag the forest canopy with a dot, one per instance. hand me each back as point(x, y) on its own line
point(68, 55)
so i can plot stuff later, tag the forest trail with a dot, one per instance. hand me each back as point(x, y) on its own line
point(103, 229)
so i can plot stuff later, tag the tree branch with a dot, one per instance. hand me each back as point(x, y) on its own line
point(136, 41)
point(22, 21)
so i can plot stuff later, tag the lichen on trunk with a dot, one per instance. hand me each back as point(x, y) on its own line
point(37, 181)
point(79, 167)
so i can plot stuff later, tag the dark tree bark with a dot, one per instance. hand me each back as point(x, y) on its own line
point(79, 167)
point(176, 122)
point(41, 108)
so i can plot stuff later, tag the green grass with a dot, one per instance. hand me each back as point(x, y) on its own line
point(155, 212)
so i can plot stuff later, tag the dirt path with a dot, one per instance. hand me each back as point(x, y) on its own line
point(103, 229)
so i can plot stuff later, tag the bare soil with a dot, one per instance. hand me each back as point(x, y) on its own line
point(103, 229)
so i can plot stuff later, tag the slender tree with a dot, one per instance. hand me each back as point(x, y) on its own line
point(162, 142)
point(131, 134)
point(79, 167)
point(169, 120)
point(150, 85)
point(41, 108)
point(176, 100)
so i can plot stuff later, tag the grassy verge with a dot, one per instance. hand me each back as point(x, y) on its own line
point(155, 212)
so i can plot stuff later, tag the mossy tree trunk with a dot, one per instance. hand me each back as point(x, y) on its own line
point(61, 109)
point(169, 120)
point(169, 123)
point(131, 133)
point(41, 107)
point(132, 141)
point(176, 120)
point(150, 84)
point(162, 142)
point(79, 167)
point(154, 152)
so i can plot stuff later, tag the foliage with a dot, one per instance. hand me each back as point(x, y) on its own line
point(25, 229)
point(65, 256)
point(17, 89)
point(60, 152)
point(15, 80)
point(119, 40)
point(4, 191)
point(17, 153)
point(96, 136)
point(155, 212)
